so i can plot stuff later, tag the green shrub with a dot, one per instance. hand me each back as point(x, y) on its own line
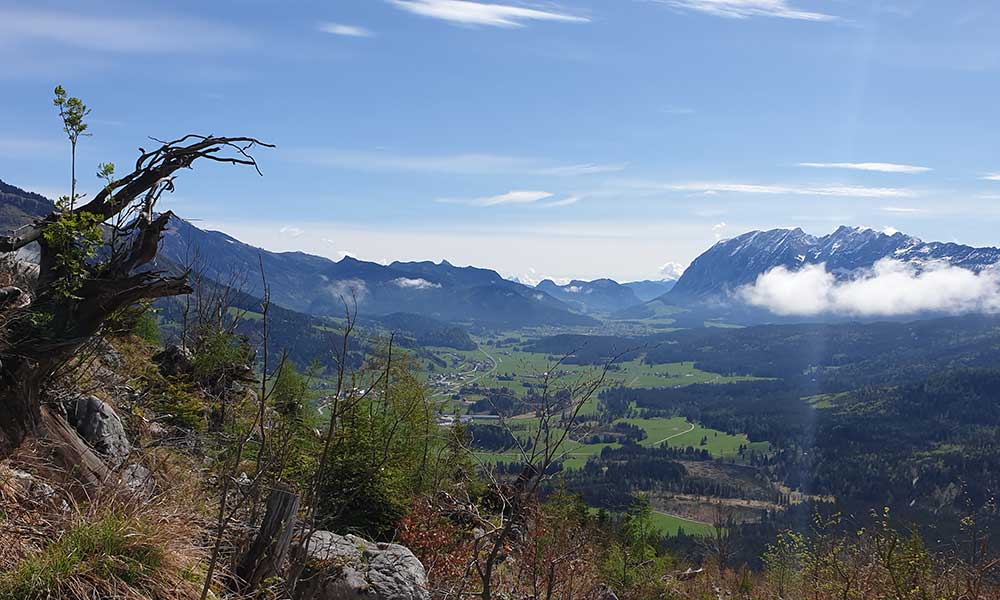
point(216, 352)
point(74, 239)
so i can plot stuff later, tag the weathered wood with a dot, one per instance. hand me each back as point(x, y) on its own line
point(269, 548)
point(36, 340)
point(81, 464)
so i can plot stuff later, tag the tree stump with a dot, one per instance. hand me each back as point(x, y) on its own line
point(269, 548)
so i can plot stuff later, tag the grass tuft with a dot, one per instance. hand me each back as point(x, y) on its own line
point(126, 551)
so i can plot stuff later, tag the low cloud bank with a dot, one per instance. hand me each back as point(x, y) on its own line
point(415, 284)
point(348, 289)
point(890, 288)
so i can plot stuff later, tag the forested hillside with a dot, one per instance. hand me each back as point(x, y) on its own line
point(183, 415)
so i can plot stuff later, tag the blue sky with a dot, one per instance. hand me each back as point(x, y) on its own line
point(563, 139)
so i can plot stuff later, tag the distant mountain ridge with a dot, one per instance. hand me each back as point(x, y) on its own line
point(597, 296)
point(19, 207)
point(649, 289)
point(736, 262)
point(319, 286)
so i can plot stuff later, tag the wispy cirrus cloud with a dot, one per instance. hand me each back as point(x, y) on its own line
point(512, 197)
point(291, 231)
point(678, 110)
point(127, 34)
point(345, 30)
point(466, 12)
point(567, 201)
point(460, 164)
point(903, 209)
point(583, 169)
point(844, 191)
point(868, 166)
point(992, 177)
point(743, 9)
point(17, 147)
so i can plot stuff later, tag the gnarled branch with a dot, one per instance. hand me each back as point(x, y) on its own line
point(150, 170)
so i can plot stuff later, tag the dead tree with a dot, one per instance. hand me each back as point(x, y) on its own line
point(57, 323)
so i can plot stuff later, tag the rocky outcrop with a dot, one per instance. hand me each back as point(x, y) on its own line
point(99, 425)
point(174, 360)
point(348, 567)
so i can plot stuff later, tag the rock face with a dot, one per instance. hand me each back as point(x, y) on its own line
point(348, 567)
point(98, 423)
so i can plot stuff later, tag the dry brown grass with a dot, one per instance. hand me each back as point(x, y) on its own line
point(117, 545)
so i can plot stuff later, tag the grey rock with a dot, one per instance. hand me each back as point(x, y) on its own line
point(107, 353)
point(138, 479)
point(98, 423)
point(28, 484)
point(348, 567)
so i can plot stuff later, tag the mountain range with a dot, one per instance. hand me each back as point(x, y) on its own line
point(736, 262)
point(318, 286)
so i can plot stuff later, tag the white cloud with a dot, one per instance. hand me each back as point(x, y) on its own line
point(532, 278)
point(992, 177)
point(742, 9)
point(890, 230)
point(678, 110)
point(345, 30)
point(869, 166)
point(514, 197)
point(583, 169)
point(415, 284)
point(350, 290)
point(845, 191)
point(291, 231)
point(718, 228)
point(463, 164)
point(672, 270)
point(890, 288)
point(902, 209)
point(116, 33)
point(466, 12)
point(568, 200)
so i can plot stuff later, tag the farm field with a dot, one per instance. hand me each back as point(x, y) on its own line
point(680, 433)
point(670, 525)
point(675, 432)
point(518, 371)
